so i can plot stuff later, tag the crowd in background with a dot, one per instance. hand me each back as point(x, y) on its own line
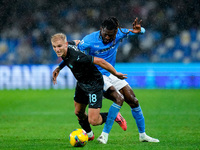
point(27, 25)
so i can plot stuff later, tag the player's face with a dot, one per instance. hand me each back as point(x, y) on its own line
point(108, 35)
point(60, 47)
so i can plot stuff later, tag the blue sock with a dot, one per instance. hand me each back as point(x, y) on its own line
point(139, 118)
point(112, 114)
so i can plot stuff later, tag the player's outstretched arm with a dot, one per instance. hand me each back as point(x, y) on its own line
point(55, 74)
point(104, 64)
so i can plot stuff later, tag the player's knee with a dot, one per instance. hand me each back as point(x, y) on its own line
point(133, 102)
point(93, 121)
point(119, 98)
point(136, 102)
point(79, 114)
point(119, 101)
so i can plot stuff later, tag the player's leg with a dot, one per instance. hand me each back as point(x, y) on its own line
point(136, 110)
point(80, 110)
point(83, 119)
point(118, 100)
point(112, 94)
point(94, 116)
point(113, 114)
point(111, 86)
point(80, 103)
point(95, 103)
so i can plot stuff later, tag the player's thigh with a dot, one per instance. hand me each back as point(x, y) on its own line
point(80, 96)
point(113, 81)
point(80, 103)
point(95, 99)
point(95, 104)
point(113, 94)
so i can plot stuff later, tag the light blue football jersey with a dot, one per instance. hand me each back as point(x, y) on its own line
point(92, 44)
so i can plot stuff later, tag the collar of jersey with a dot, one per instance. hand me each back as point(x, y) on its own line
point(67, 56)
point(100, 37)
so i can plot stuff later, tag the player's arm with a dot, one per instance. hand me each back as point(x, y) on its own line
point(57, 70)
point(104, 64)
point(55, 74)
point(76, 42)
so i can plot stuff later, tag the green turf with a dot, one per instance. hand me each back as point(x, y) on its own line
point(43, 120)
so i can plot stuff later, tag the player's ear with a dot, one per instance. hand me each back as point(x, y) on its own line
point(66, 44)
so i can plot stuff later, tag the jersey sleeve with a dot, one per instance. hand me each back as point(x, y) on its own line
point(71, 43)
point(125, 32)
point(141, 32)
point(62, 64)
point(84, 45)
point(90, 58)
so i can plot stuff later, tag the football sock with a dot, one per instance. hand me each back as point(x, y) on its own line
point(90, 134)
point(85, 125)
point(112, 114)
point(104, 117)
point(139, 118)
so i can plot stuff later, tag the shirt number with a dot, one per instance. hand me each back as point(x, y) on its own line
point(93, 98)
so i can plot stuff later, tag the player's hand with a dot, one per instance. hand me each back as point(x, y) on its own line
point(121, 75)
point(55, 74)
point(77, 42)
point(136, 26)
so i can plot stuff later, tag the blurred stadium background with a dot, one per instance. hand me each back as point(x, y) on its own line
point(166, 56)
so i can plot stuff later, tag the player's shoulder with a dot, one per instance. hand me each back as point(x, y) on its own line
point(73, 47)
point(122, 31)
point(93, 35)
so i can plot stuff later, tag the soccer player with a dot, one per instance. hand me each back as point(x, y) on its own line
point(89, 88)
point(104, 44)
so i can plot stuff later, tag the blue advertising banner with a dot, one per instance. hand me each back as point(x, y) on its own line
point(161, 75)
point(140, 75)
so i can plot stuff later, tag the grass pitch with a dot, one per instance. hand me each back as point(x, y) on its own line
point(43, 120)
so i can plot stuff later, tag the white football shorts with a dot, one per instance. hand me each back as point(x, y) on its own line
point(113, 81)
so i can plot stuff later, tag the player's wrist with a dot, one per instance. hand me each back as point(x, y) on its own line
point(58, 67)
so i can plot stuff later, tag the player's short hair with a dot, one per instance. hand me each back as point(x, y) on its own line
point(58, 36)
point(110, 23)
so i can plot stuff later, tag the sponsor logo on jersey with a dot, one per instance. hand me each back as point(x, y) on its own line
point(70, 66)
point(104, 50)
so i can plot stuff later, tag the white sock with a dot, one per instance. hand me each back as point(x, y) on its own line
point(90, 134)
point(142, 134)
point(105, 134)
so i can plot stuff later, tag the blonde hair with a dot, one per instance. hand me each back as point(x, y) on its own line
point(58, 36)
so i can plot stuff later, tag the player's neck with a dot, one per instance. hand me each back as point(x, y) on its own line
point(65, 54)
